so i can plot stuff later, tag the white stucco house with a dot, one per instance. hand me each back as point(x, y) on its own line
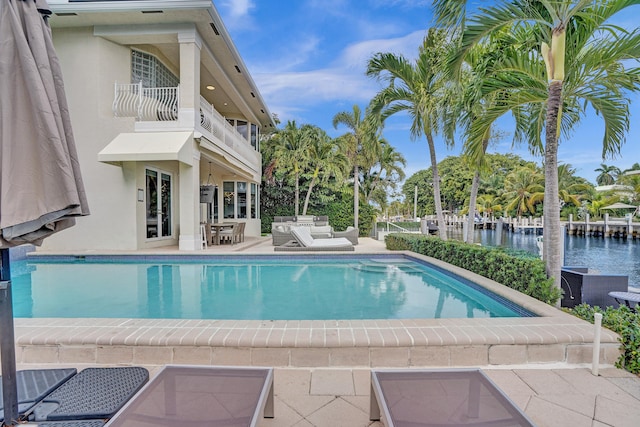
point(161, 104)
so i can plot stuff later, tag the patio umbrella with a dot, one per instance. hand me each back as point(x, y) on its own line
point(41, 190)
point(619, 206)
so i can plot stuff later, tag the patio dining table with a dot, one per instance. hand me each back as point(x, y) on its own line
point(217, 227)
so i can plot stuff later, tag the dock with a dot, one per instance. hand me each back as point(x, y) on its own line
point(607, 227)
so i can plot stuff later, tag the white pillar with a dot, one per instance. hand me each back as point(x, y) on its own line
point(189, 201)
point(190, 44)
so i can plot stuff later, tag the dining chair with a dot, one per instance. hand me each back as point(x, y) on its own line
point(239, 232)
point(228, 233)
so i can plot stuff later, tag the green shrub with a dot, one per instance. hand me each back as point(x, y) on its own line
point(624, 322)
point(514, 269)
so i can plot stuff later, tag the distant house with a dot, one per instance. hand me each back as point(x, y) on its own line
point(161, 104)
point(622, 191)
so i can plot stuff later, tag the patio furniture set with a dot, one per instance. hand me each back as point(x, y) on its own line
point(315, 227)
point(241, 396)
point(222, 232)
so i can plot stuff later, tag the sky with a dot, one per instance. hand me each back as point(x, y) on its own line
point(308, 59)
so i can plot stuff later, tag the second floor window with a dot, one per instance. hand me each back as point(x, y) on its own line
point(150, 71)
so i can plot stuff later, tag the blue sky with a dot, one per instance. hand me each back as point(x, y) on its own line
point(308, 59)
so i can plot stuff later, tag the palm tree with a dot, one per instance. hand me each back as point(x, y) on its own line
point(568, 58)
point(383, 170)
point(570, 188)
point(478, 64)
point(524, 187)
point(488, 204)
point(420, 90)
point(362, 130)
point(324, 158)
point(608, 174)
point(290, 151)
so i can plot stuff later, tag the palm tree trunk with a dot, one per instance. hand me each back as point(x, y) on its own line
point(442, 227)
point(472, 207)
point(297, 195)
point(473, 197)
point(356, 196)
point(552, 250)
point(308, 196)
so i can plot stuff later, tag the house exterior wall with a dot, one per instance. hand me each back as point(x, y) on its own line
point(90, 65)
point(93, 60)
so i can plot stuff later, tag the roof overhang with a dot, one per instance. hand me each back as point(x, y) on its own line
point(234, 163)
point(149, 146)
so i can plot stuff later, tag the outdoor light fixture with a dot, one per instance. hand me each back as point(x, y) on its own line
point(210, 87)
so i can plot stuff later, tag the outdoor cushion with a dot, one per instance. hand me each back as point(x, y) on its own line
point(304, 238)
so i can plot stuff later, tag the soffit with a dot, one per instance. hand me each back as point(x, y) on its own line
point(219, 57)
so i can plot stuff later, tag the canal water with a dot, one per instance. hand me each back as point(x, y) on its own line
point(606, 255)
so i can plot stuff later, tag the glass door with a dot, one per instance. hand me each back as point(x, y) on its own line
point(158, 204)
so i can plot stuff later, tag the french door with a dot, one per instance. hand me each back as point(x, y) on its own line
point(158, 203)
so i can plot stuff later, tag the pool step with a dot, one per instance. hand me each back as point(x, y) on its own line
point(378, 266)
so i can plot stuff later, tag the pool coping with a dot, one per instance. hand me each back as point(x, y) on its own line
point(554, 336)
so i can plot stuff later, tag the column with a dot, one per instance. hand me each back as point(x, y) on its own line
point(190, 45)
point(189, 203)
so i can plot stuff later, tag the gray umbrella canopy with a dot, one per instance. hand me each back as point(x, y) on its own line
point(41, 189)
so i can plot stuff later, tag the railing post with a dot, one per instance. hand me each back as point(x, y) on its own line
point(139, 106)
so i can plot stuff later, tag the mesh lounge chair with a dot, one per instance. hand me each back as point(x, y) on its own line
point(94, 393)
point(34, 385)
point(201, 396)
point(305, 242)
point(441, 397)
point(81, 423)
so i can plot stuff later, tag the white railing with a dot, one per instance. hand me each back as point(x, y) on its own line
point(146, 104)
point(215, 123)
point(391, 226)
point(162, 105)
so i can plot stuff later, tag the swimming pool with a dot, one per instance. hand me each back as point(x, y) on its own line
point(250, 288)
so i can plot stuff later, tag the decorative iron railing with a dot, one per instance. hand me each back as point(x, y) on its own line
point(146, 104)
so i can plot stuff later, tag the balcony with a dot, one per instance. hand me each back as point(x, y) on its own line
point(146, 104)
point(162, 105)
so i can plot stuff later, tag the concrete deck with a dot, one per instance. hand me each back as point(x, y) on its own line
point(550, 396)
point(323, 367)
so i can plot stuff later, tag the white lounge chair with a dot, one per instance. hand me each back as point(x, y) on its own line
point(304, 241)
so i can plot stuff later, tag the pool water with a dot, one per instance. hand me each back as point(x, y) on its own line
point(264, 288)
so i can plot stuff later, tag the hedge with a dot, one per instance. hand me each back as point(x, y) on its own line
point(521, 272)
point(624, 322)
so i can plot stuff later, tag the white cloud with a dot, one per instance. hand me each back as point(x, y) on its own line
point(356, 55)
point(313, 87)
point(339, 85)
point(238, 8)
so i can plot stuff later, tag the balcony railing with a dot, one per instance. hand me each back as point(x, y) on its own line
point(162, 105)
point(215, 123)
point(146, 104)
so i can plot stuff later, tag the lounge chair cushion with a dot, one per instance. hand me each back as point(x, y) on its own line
point(304, 238)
